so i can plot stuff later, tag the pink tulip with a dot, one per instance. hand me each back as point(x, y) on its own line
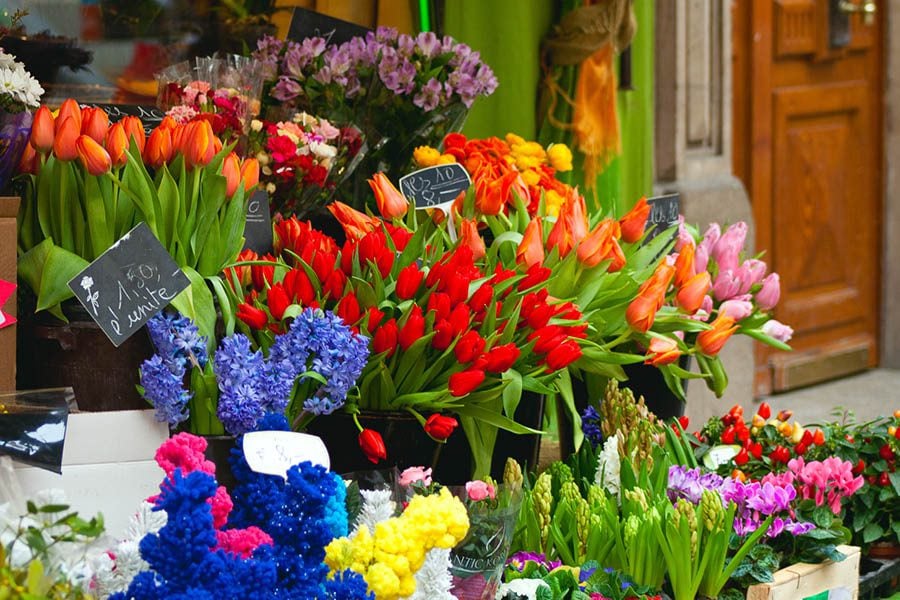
point(736, 309)
point(701, 258)
point(756, 268)
point(479, 490)
point(684, 236)
point(711, 236)
point(770, 292)
point(705, 311)
point(779, 331)
point(727, 285)
point(415, 474)
point(745, 275)
point(728, 249)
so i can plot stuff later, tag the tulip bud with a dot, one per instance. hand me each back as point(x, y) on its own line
point(385, 338)
point(727, 285)
point(662, 351)
point(134, 130)
point(277, 300)
point(159, 149)
point(690, 296)
point(250, 174)
point(372, 445)
point(94, 123)
point(117, 144)
point(770, 292)
point(69, 109)
point(779, 331)
point(727, 250)
point(252, 316)
point(92, 155)
point(29, 163)
point(710, 341)
point(64, 144)
point(469, 237)
point(684, 265)
point(464, 382)
point(232, 172)
point(440, 427)
point(736, 309)
point(634, 221)
point(42, 130)
point(197, 145)
point(531, 248)
point(391, 203)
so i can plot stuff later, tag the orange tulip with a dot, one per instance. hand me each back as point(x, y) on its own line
point(29, 163)
point(159, 150)
point(197, 145)
point(231, 169)
point(662, 351)
point(517, 188)
point(391, 203)
point(68, 109)
point(602, 244)
point(249, 174)
point(710, 341)
point(684, 265)
point(531, 248)
point(662, 276)
point(690, 295)
point(134, 129)
point(491, 191)
point(92, 155)
point(167, 123)
point(468, 236)
point(177, 134)
point(94, 123)
point(641, 313)
point(577, 217)
point(117, 144)
point(64, 143)
point(42, 130)
point(634, 221)
point(560, 236)
point(356, 224)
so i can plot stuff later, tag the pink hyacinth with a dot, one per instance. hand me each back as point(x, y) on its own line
point(242, 541)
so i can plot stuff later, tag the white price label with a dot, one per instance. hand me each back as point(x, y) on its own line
point(274, 452)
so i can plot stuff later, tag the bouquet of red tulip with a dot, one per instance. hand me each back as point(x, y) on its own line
point(87, 183)
point(303, 159)
point(453, 329)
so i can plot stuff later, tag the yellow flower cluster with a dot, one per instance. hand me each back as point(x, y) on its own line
point(389, 557)
point(426, 156)
point(530, 155)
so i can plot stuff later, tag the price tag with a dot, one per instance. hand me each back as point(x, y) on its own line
point(150, 116)
point(717, 456)
point(664, 212)
point(258, 230)
point(128, 284)
point(437, 186)
point(275, 452)
point(308, 23)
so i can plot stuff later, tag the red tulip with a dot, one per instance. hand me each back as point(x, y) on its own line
point(43, 130)
point(439, 302)
point(482, 297)
point(348, 309)
point(231, 170)
point(69, 109)
point(373, 318)
point(134, 129)
point(456, 285)
point(710, 341)
point(263, 274)
point(94, 123)
point(117, 144)
point(249, 174)
point(372, 444)
point(547, 338)
point(535, 275)
point(440, 427)
point(299, 287)
point(499, 358)
point(252, 316)
point(413, 329)
point(92, 155)
point(464, 382)
point(29, 163)
point(391, 203)
point(408, 281)
point(385, 338)
point(459, 318)
point(469, 347)
point(634, 221)
point(160, 148)
point(563, 355)
point(469, 237)
point(443, 335)
point(531, 248)
point(64, 143)
point(277, 300)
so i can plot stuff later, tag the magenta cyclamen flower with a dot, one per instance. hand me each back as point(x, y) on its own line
point(826, 482)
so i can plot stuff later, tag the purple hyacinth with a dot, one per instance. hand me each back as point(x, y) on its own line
point(177, 339)
point(590, 426)
point(163, 384)
point(239, 372)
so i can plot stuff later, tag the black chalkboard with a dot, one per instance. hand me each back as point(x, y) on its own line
point(129, 283)
point(309, 23)
point(151, 116)
point(258, 231)
point(433, 186)
point(664, 211)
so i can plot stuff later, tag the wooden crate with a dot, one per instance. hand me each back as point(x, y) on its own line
point(801, 581)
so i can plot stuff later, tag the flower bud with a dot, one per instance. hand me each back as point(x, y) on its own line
point(92, 155)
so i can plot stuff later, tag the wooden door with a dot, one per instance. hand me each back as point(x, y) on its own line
point(807, 145)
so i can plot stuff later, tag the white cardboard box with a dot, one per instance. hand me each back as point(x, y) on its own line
point(108, 465)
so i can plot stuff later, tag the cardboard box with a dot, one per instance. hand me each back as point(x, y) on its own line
point(834, 580)
point(9, 208)
point(108, 465)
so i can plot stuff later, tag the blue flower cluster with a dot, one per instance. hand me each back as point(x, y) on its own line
point(590, 425)
point(302, 515)
point(178, 345)
point(323, 343)
point(182, 564)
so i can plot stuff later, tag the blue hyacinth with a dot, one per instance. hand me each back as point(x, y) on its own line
point(177, 339)
point(163, 384)
point(590, 426)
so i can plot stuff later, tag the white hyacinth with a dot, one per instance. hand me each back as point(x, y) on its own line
point(608, 466)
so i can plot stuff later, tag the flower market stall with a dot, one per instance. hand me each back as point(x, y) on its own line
point(352, 406)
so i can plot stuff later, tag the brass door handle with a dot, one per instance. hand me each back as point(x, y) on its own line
point(868, 8)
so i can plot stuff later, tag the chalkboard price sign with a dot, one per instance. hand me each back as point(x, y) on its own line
point(309, 23)
point(435, 186)
point(129, 283)
point(258, 231)
point(150, 116)
point(664, 211)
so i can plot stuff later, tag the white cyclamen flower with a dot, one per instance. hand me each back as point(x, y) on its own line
point(433, 580)
point(608, 466)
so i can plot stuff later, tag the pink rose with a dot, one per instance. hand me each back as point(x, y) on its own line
point(415, 474)
point(479, 490)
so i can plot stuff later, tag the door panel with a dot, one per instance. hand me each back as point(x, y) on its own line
point(810, 156)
